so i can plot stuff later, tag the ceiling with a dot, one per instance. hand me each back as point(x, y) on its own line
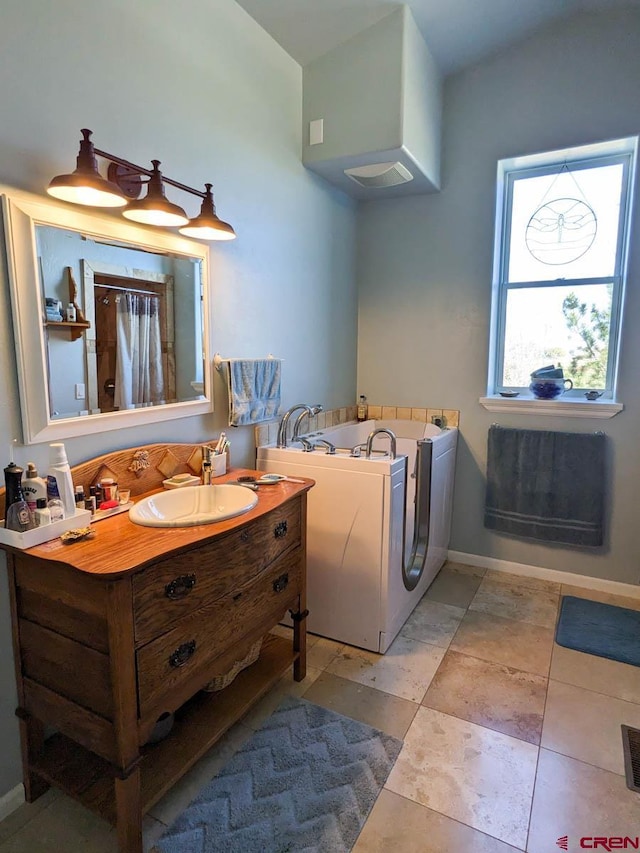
point(457, 32)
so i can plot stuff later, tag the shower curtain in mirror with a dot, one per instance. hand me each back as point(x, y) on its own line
point(139, 377)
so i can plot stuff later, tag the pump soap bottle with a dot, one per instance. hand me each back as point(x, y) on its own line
point(33, 487)
point(18, 516)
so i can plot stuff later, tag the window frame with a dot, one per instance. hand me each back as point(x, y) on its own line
point(509, 172)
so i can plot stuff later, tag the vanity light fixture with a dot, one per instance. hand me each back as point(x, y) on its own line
point(123, 186)
point(155, 208)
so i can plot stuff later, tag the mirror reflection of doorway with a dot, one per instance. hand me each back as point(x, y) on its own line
point(135, 346)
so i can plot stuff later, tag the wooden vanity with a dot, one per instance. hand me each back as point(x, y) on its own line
point(112, 632)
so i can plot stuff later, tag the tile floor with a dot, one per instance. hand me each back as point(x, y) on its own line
point(510, 741)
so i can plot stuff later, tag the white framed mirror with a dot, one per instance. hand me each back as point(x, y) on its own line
point(134, 348)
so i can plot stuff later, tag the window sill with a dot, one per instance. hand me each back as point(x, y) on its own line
point(568, 408)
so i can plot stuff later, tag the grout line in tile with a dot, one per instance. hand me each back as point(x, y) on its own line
point(535, 775)
point(582, 761)
point(29, 820)
point(453, 819)
point(596, 692)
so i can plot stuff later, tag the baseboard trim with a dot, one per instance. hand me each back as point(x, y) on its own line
point(12, 800)
point(599, 584)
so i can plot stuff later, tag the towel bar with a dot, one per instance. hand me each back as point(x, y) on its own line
point(218, 360)
point(499, 426)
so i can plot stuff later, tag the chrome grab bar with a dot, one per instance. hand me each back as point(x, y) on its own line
point(381, 431)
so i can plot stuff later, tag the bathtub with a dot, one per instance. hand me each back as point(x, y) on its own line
point(360, 515)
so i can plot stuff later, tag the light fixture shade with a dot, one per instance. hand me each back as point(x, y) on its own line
point(207, 225)
point(86, 185)
point(155, 208)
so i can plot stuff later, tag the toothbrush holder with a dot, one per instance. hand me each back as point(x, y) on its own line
point(218, 465)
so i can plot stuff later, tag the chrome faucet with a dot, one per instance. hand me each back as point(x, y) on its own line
point(284, 423)
point(331, 449)
point(307, 447)
point(384, 431)
point(310, 410)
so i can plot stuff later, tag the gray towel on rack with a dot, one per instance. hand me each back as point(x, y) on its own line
point(254, 390)
point(546, 485)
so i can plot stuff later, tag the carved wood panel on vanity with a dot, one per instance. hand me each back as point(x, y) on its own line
point(109, 633)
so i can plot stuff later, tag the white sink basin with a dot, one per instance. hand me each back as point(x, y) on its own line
point(193, 505)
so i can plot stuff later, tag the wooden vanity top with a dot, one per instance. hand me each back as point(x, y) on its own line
point(119, 547)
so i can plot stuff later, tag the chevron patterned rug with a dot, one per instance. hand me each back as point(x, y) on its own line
point(303, 783)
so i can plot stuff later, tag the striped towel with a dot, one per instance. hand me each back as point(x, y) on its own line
point(546, 485)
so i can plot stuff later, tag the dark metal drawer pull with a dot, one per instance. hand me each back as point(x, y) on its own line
point(281, 583)
point(280, 530)
point(182, 654)
point(179, 587)
point(244, 536)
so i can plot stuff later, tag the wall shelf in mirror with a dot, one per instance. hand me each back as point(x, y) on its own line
point(132, 279)
point(75, 329)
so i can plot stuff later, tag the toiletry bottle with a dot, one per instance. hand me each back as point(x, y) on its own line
point(33, 487)
point(56, 510)
point(60, 474)
point(362, 408)
point(70, 313)
point(108, 490)
point(79, 492)
point(18, 516)
point(42, 513)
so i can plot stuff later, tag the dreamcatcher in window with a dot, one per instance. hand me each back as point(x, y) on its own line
point(561, 229)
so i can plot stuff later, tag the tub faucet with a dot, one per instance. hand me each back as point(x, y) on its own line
point(384, 431)
point(284, 423)
point(306, 444)
point(324, 443)
point(310, 410)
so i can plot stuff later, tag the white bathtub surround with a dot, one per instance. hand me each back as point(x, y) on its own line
point(266, 434)
point(553, 575)
point(356, 521)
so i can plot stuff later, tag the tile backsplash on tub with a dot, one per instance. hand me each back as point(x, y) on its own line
point(268, 433)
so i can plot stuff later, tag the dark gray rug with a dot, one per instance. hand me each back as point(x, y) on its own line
point(599, 629)
point(304, 782)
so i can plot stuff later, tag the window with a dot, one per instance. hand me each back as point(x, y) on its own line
point(562, 226)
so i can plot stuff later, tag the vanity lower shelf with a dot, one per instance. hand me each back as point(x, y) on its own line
point(198, 725)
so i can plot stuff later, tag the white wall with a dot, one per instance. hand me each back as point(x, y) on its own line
point(201, 87)
point(425, 265)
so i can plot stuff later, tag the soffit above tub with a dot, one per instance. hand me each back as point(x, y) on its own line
point(458, 33)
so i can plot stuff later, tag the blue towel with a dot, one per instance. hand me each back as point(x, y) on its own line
point(254, 390)
point(546, 485)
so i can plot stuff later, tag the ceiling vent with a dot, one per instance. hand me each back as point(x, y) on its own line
point(380, 175)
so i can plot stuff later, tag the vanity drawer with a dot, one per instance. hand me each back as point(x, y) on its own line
point(187, 651)
point(171, 589)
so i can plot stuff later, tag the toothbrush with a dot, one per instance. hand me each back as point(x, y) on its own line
point(221, 440)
